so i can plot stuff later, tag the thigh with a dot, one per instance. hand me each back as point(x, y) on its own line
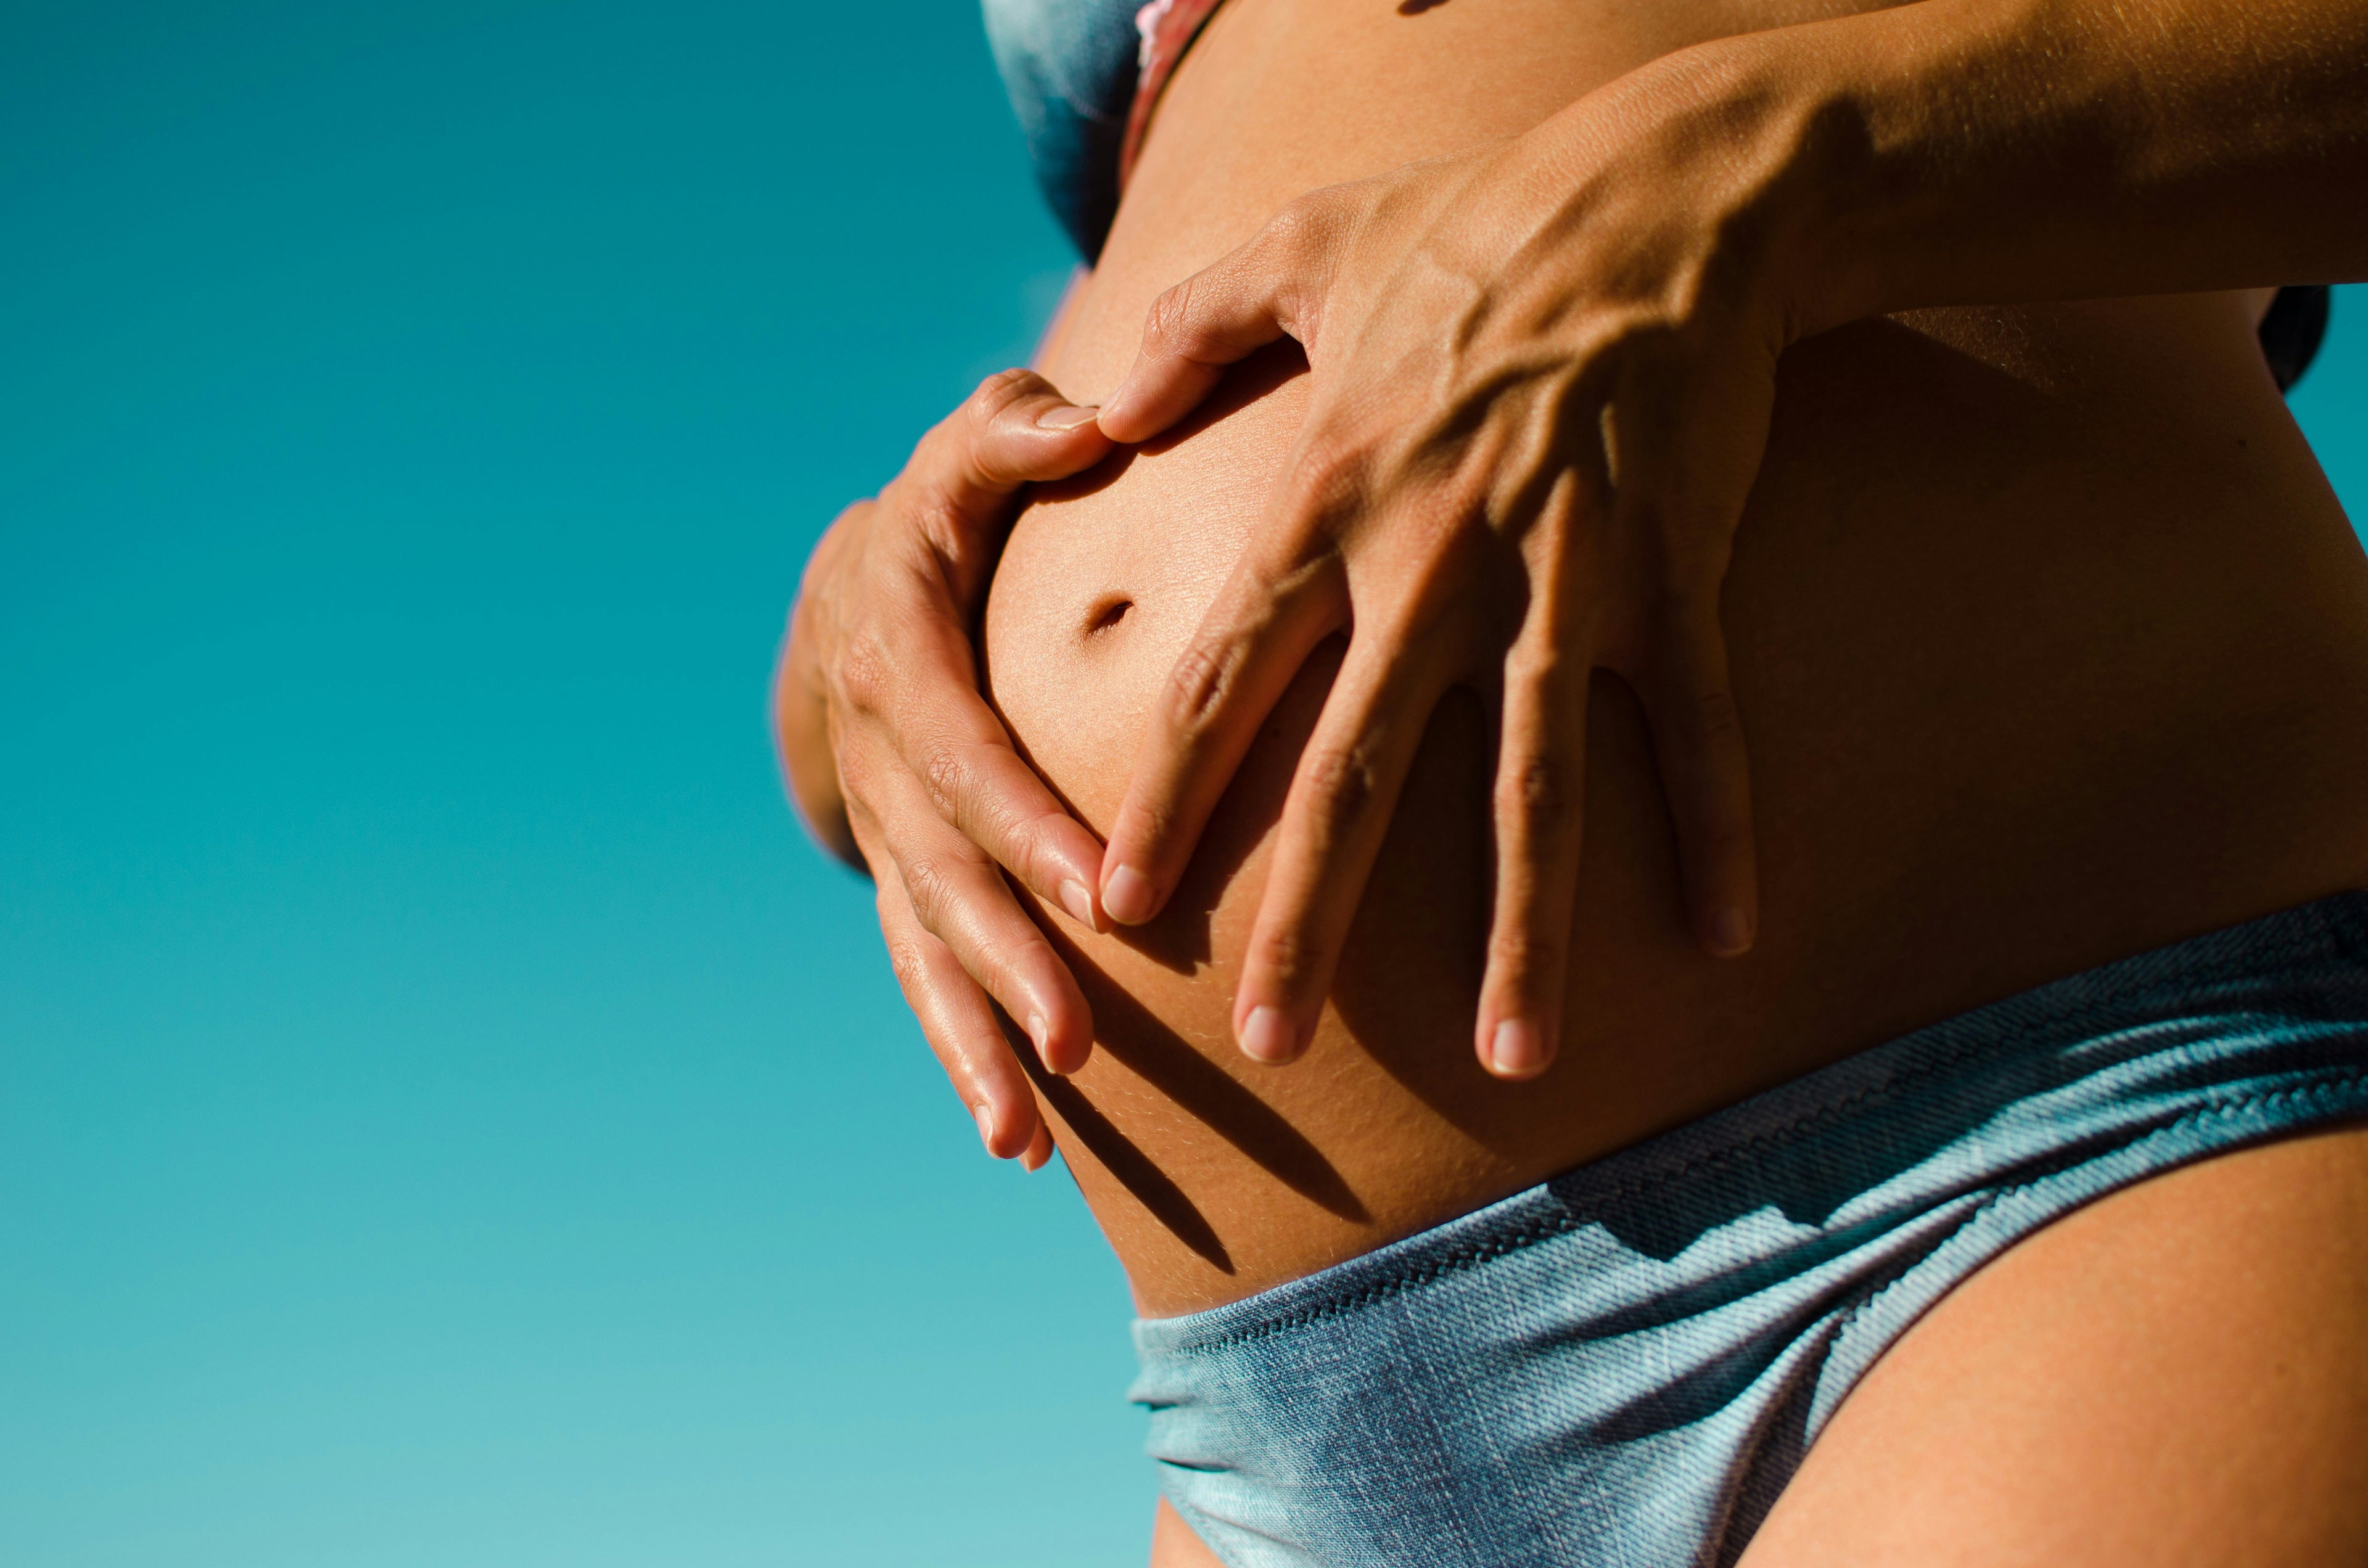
point(2176, 1374)
point(1173, 1544)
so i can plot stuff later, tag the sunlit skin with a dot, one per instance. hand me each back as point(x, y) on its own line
point(2049, 643)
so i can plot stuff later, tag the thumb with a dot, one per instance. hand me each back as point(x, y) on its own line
point(1015, 429)
point(1221, 314)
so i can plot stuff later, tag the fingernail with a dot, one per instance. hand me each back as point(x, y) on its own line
point(1038, 1029)
point(1079, 902)
point(1517, 1050)
point(1031, 1162)
point(1127, 896)
point(1730, 933)
point(985, 1128)
point(1066, 417)
point(1266, 1036)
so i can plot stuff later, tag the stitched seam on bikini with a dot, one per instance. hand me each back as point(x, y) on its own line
point(1889, 1087)
point(1495, 1248)
point(1520, 1240)
point(1989, 1200)
point(2218, 1112)
point(1817, 1117)
point(2314, 945)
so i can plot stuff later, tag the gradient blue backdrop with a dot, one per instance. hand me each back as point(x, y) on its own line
point(448, 1115)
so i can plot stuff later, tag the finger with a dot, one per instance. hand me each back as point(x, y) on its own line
point(1039, 1153)
point(953, 743)
point(1705, 773)
point(1539, 810)
point(958, 896)
point(1015, 429)
point(1342, 796)
point(961, 1028)
point(1268, 617)
point(1688, 441)
point(1221, 314)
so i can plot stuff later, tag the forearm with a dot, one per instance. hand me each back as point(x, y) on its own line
point(1972, 152)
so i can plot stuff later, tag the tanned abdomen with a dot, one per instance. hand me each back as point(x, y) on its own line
point(2050, 638)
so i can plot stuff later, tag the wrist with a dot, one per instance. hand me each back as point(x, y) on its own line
point(1746, 145)
point(2000, 151)
point(1794, 104)
point(1903, 101)
point(1850, 140)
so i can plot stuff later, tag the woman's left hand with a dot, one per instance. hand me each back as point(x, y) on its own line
point(1543, 377)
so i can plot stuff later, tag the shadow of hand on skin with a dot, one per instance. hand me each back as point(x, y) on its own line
point(1138, 1041)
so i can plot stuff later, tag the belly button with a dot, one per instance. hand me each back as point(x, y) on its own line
point(1106, 613)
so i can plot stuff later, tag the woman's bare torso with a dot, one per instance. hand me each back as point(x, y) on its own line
point(2051, 641)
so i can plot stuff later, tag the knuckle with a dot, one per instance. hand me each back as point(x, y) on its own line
point(1297, 226)
point(1715, 716)
point(1030, 844)
point(996, 393)
point(1640, 331)
point(1330, 474)
point(1168, 326)
point(1343, 490)
point(1539, 792)
point(933, 886)
point(907, 960)
point(1288, 955)
point(865, 673)
point(904, 963)
point(946, 775)
point(931, 510)
point(1343, 783)
point(857, 774)
point(1197, 688)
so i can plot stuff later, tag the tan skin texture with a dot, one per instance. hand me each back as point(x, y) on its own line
point(2053, 647)
point(1543, 371)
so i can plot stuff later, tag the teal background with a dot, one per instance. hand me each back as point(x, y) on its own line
point(448, 1114)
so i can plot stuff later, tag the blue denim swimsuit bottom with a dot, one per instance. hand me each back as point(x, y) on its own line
point(1623, 1366)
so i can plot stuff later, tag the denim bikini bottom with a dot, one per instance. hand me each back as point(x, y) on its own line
point(1623, 1366)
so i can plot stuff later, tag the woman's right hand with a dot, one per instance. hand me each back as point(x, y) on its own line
point(899, 766)
point(1541, 376)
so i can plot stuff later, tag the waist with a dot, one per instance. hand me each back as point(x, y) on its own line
point(2050, 644)
point(2038, 669)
